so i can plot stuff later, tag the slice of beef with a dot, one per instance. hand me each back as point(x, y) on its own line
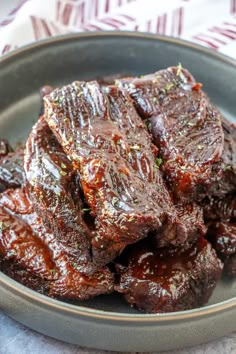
point(222, 235)
point(5, 147)
point(224, 172)
point(29, 245)
point(107, 142)
point(185, 126)
point(11, 170)
point(54, 190)
point(164, 281)
point(223, 209)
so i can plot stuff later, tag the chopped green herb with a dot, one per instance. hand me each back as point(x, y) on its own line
point(52, 270)
point(114, 201)
point(80, 93)
point(200, 147)
point(154, 100)
point(86, 209)
point(63, 173)
point(169, 86)
point(63, 165)
point(179, 69)
point(191, 124)
point(135, 147)
point(3, 226)
point(158, 161)
point(227, 168)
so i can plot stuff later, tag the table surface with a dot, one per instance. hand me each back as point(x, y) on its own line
point(17, 339)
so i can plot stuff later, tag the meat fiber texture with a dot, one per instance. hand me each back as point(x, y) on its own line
point(185, 126)
point(37, 256)
point(106, 141)
point(158, 281)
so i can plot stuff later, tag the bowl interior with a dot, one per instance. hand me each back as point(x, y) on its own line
point(62, 61)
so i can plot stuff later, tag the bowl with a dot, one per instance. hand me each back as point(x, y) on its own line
point(107, 322)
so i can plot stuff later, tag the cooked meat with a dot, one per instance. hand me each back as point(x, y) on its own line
point(190, 225)
point(185, 126)
point(29, 245)
point(5, 147)
point(52, 184)
point(230, 266)
point(220, 209)
point(224, 171)
point(11, 170)
point(107, 142)
point(222, 235)
point(164, 281)
point(24, 277)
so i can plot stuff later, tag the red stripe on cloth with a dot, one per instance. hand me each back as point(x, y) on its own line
point(164, 20)
point(112, 22)
point(205, 41)
point(118, 22)
point(46, 28)
point(233, 6)
point(6, 22)
point(216, 39)
point(55, 29)
point(119, 2)
point(79, 14)
point(6, 48)
point(17, 8)
point(58, 10)
point(66, 14)
point(94, 27)
point(229, 33)
point(107, 5)
point(36, 27)
point(149, 26)
point(180, 23)
point(229, 24)
point(136, 27)
point(159, 23)
point(128, 17)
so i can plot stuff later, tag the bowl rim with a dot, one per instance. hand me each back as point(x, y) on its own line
point(88, 312)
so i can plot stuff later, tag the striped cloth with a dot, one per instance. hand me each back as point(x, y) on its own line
point(211, 23)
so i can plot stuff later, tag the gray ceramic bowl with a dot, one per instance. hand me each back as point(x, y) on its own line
point(107, 322)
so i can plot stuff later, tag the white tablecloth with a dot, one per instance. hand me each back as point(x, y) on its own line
point(208, 22)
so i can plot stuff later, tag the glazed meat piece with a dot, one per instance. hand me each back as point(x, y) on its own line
point(30, 246)
point(185, 126)
point(158, 281)
point(107, 142)
point(25, 277)
point(11, 170)
point(220, 209)
point(224, 171)
point(54, 190)
point(190, 224)
point(5, 147)
point(222, 235)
